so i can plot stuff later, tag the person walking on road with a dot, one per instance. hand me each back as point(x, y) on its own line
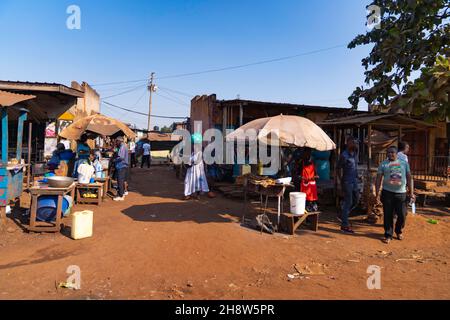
point(132, 149)
point(121, 165)
point(395, 175)
point(146, 154)
point(348, 176)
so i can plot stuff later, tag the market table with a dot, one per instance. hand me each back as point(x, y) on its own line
point(45, 190)
point(274, 190)
point(106, 185)
point(97, 186)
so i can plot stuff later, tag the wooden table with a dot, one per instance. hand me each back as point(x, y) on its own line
point(97, 186)
point(44, 190)
point(106, 185)
point(276, 190)
point(291, 222)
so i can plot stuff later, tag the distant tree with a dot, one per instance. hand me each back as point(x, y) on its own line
point(409, 65)
point(155, 128)
point(166, 129)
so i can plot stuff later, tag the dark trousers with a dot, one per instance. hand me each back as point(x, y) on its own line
point(145, 160)
point(394, 204)
point(351, 199)
point(121, 178)
point(133, 160)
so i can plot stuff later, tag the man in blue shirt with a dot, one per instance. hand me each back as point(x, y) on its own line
point(395, 175)
point(121, 165)
point(348, 174)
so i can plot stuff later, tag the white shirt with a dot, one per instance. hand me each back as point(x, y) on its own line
point(146, 148)
point(132, 147)
point(85, 173)
point(402, 156)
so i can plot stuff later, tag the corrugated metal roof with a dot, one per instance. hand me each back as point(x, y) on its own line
point(22, 86)
point(8, 99)
point(365, 119)
point(287, 105)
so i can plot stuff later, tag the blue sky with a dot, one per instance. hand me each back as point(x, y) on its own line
point(126, 40)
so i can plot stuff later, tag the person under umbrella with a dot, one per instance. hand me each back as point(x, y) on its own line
point(308, 181)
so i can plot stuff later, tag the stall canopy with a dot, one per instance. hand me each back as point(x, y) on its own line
point(8, 99)
point(51, 99)
point(97, 124)
point(290, 130)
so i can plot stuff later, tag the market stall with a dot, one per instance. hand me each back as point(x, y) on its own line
point(106, 128)
point(11, 169)
point(288, 131)
point(375, 133)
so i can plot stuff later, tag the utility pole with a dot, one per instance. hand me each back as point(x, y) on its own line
point(151, 88)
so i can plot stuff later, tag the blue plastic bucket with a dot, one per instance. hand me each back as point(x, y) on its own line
point(46, 208)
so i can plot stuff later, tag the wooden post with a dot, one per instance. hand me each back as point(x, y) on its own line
point(369, 141)
point(5, 138)
point(2, 218)
point(30, 134)
point(338, 152)
point(22, 118)
point(241, 115)
point(400, 134)
point(427, 153)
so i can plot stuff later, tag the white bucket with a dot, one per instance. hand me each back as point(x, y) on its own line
point(298, 201)
point(82, 224)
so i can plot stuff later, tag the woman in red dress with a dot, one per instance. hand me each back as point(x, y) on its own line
point(308, 181)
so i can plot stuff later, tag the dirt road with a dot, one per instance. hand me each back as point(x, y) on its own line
point(155, 246)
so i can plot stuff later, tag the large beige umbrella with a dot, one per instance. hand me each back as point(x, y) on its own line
point(288, 130)
point(99, 124)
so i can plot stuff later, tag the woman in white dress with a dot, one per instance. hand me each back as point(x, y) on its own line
point(195, 181)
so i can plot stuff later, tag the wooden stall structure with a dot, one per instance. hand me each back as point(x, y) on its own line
point(392, 128)
point(11, 170)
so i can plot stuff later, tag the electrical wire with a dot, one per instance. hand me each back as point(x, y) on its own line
point(141, 113)
point(117, 82)
point(250, 64)
point(177, 91)
point(174, 97)
point(124, 92)
point(229, 67)
point(140, 98)
point(173, 100)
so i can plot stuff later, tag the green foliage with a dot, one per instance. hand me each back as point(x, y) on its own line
point(166, 129)
point(408, 67)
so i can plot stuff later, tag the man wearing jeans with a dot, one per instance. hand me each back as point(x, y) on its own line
point(121, 163)
point(396, 175)
point(348, 171)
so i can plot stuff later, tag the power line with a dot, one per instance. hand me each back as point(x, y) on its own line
point(117, 82)
point(251, 64)
point(141, 113)
point(177, 91)
point(140, 98)
point(229, 67)
point(173, 100)
point(173, 97)
point(124, 92)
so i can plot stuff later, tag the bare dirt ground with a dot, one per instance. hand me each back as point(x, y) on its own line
point(155, 246)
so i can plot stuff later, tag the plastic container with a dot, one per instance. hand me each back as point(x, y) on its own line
point(323, 169)
point(46, 208)
point(298, 201)
point(82, 224)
